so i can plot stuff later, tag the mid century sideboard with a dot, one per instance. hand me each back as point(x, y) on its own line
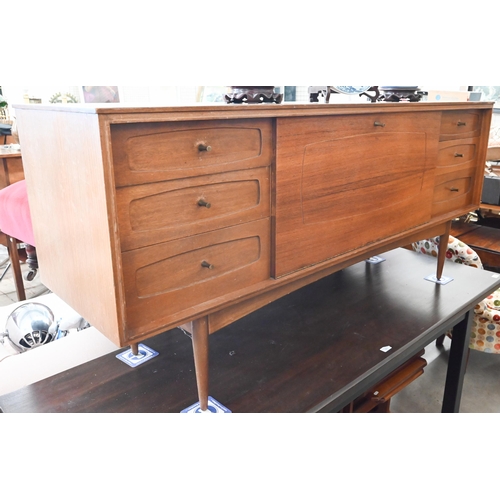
point(148, 218)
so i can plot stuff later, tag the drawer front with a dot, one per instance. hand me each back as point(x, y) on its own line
point(362, 124)
point(460, 124)
point(453, 192)
point(152, 152)
point(166, 283)
point(456, 153)
point(163, 211)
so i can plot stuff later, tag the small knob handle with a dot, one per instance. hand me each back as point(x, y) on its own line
point(204, 148)
point(379, 124)
point(461, 124)
point(204, 203)
point(454, 190)
point(206, 265)
point(459, 155)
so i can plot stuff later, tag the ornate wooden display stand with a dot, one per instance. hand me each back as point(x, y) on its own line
point(315, 92)
point(399, 94)
point(253, 95)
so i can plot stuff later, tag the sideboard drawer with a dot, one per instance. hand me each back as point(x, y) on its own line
point(340, 127)
point(460, 124)
point(453, 191)
point(154, 213)
point(453, 153)
point(152, 152)
point(163, 280)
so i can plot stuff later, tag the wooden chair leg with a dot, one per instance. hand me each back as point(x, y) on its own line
point(440, 341)
point(16, 268)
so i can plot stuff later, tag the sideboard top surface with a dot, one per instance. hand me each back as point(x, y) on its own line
point(227, 111)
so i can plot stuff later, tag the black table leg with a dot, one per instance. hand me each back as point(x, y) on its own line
point(457, 365)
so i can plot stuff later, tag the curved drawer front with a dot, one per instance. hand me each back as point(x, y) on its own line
point(161, 151)
point(164, 280)
point(197, 266)
point(460, 124)
point(163, 211)
point(453, 191)
point(457, 153)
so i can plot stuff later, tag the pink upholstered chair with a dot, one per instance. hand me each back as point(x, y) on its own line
point(15, 223)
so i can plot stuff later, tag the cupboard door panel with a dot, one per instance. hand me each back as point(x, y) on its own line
point(338, 175)
point(337, 193)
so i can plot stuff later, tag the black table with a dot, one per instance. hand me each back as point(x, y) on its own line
point(314, 350)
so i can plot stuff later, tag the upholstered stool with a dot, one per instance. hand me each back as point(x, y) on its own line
point(15, 223)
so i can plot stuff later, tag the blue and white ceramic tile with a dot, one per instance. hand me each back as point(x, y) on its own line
point(145, 354)
point(213, 407)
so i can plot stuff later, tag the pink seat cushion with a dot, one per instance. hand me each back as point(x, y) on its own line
point(15, 217)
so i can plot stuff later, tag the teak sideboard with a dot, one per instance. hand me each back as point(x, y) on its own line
point(149, 218)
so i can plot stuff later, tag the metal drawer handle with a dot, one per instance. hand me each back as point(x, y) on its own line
point(204, 203)
point(461, 124)
point(459, 155)
point(206, 265)
point(379, 124)
point(204, 147)
point(454, 190)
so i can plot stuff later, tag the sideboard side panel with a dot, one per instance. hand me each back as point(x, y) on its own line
point(67, 191)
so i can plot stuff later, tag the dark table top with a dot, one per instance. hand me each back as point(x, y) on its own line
point(313, 350)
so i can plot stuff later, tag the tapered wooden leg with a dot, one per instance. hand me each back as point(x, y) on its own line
point(200, 349)
point(135, 349)
point(443, 248)
point(16, 268)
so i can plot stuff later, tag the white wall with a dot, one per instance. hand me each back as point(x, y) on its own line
point(128, 94)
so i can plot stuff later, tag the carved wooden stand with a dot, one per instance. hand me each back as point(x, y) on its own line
point(253, 95)
point(315, 92)
point(399, 94)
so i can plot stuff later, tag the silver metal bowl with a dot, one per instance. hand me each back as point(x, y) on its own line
point(29, 326)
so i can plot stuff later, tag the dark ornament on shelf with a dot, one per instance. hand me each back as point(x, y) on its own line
point(253, 95)
point(400, 94)
point(327, 91)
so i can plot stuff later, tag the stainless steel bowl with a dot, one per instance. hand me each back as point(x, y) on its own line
point(29, 326)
